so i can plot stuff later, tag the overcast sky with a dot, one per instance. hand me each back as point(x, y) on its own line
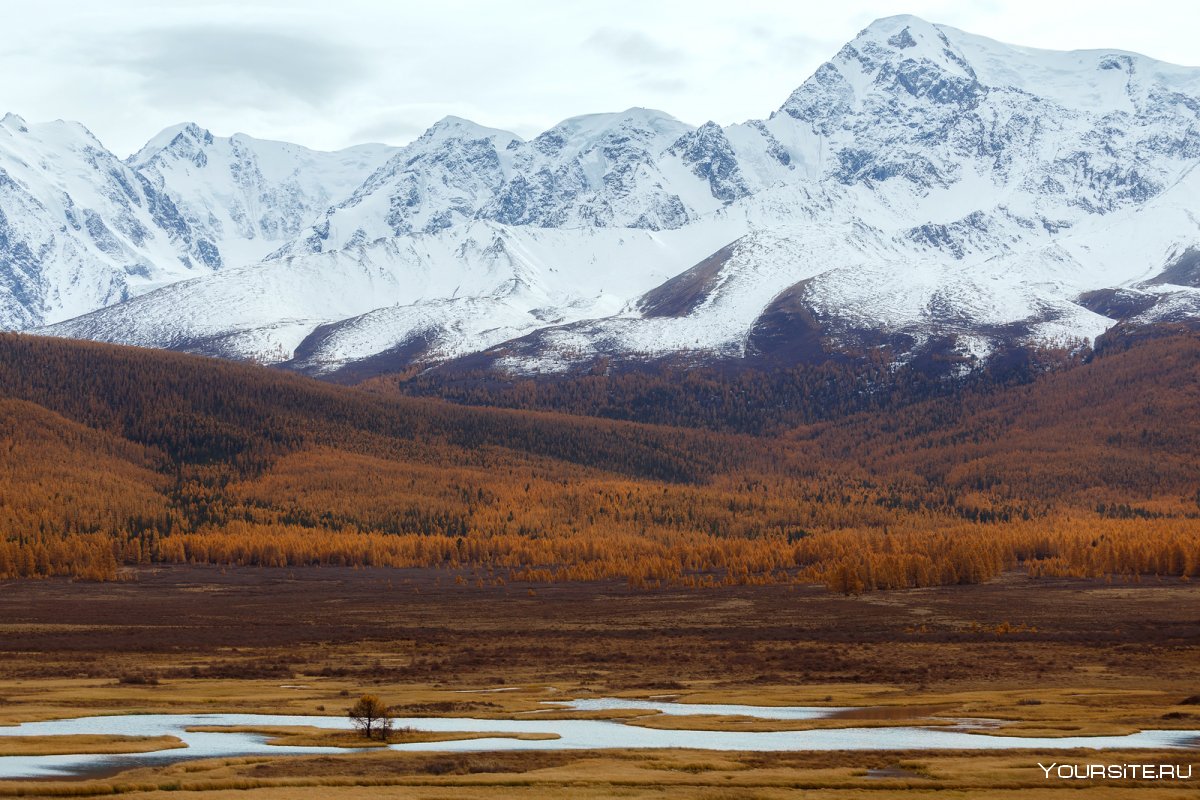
point(338, 72)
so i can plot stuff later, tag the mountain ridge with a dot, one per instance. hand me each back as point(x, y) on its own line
point(94, 229)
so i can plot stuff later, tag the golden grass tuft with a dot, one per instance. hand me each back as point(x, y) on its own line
point(84, 744)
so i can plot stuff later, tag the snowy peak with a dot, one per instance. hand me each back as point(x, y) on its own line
point(600, 169)
point(601, 143)
point(578, 135)
point(908, 38)
point(902, 57)
point(451, 127)
point(905, 55)
point(80, 229)
point(184, 137)
point(14, 123)
point(934, 121)
point(249, 195)
point(439, 180)
point(594, 170)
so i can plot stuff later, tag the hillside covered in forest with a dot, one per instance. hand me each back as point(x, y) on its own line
point(113, 456)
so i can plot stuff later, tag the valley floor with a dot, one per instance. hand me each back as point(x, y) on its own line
point(1049, 657)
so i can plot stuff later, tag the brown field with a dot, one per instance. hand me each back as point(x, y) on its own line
point(1053, 657)
point(84, 743)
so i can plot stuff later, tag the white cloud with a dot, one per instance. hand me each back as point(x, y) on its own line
point(331, 74)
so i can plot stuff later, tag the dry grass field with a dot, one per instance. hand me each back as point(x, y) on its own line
point(1047, 657)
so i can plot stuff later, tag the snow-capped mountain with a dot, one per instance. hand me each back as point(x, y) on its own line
point(81, 229)
point(78, 228)
point(925, 188)
point(602, 170)
point(249, 196)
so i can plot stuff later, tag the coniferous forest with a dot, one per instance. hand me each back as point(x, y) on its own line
point(859, 478)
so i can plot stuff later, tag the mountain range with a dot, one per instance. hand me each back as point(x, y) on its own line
point(925, 191)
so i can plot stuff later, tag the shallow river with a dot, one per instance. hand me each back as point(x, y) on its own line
point(574, 735)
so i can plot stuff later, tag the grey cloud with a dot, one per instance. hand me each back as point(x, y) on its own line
point(216, 63)
point(666, 85)
point(633, 47)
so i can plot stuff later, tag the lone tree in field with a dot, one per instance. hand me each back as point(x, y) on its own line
point(370, 715)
